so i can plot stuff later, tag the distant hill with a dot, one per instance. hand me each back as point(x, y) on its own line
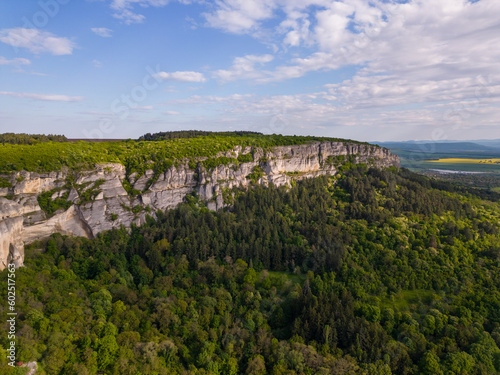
point(444, 147)
point(489, 142)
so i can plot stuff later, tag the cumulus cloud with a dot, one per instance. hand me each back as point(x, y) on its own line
point(44, 97)
point(102, 31)
point(403, 108)
point(37, 41)
point(417, 51)
point(243, 68)
point(182, 76)
point(238, 16)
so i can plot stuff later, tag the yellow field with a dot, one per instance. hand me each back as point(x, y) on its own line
point(466, 161)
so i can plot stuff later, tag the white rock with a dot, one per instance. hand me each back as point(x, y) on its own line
point(112, 207)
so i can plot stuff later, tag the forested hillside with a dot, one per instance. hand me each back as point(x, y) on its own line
point(367, 272)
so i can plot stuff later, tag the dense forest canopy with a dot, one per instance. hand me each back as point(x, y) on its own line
point(368, 272)
point(30, 139)
point(161, 136)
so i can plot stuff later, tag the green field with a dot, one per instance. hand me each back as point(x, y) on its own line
point(494, 161)
point(466, 167)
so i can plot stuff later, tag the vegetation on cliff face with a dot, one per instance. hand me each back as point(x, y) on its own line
point(369, 272)
point(135, 155)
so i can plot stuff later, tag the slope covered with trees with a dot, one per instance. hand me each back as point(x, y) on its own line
point(368, 272)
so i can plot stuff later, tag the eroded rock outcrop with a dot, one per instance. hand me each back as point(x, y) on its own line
point(98, 200)
point(11, 231)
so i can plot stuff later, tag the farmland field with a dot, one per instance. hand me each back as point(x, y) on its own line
point(466, 161)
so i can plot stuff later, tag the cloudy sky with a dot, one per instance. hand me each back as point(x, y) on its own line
point(367, 70)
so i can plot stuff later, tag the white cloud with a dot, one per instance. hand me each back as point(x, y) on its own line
point(124, 9)
point(417, 52)
point(129, 17)
point(102, 31)
point(171, 113)
point(393, 90)
point(435, 57)
point(15, 61)
point(37, 41)
point(37, 74)
point(243, 68)
point(296, 28)
point(44, 97)
point(183, 76)
point(380, 107)
point(238, 16)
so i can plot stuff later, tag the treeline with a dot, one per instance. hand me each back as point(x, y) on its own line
point(30, 139)
point(369, 272)
point(161, 136)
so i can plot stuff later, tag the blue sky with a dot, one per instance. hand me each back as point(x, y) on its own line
point(366, 70)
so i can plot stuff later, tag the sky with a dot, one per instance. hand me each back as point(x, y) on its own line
point(379, 70)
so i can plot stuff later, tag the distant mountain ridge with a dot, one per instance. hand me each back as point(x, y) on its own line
point(443, 147)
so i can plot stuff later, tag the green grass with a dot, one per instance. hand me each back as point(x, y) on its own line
point(404, 299)
point(296, 279)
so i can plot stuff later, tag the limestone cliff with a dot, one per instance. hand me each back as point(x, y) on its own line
point(98, 201)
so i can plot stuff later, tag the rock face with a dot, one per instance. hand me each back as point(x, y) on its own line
point(98, 201)
point(11, 229)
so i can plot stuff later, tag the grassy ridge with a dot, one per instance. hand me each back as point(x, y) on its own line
point(53, 156)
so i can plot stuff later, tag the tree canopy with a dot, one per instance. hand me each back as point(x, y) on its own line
point(368, 272)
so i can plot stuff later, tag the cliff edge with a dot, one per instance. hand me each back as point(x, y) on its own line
point(86, 203)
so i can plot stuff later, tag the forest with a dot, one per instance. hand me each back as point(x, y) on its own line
point(161, 136)
point(29, 139)
point(367, 272)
